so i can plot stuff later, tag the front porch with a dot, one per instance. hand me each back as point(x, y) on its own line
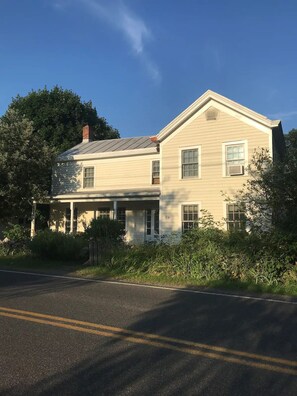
point(139, 213)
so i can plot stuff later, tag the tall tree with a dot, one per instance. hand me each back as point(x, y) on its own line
point(58, 116)
point(25, 162)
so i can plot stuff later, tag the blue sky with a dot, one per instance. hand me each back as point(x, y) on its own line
point(142, 62)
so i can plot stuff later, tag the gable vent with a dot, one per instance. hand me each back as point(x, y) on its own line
point(211, 114)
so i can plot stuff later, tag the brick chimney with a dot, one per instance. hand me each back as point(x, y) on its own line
point(87, 135)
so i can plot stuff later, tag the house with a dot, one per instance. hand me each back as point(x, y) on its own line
point(158, 185)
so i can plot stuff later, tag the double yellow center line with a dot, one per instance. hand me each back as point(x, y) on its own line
point(192, 348)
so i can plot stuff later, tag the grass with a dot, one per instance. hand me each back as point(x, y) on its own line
point(30, 263)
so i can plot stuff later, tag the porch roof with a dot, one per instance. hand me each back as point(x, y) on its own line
point(121, 195)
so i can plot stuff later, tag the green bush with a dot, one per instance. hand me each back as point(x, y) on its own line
point(105, 230)
point(58, 246)
point(18, 240)
point(17, 233)
point(211, 254)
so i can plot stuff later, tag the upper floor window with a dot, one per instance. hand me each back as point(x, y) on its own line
point(156, 172)
point(235, 159)
point(189, 161)
point(88, 177)
point(236, 219)
point(189, 217)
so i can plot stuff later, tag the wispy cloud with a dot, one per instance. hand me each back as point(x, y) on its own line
point(121, 18)
point(286, 115)
point(217, 59)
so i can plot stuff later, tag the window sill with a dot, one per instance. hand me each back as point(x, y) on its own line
point(190, 178)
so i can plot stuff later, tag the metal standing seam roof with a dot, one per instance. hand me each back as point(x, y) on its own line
point(110, 145)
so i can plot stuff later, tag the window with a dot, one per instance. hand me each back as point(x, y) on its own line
point(121, 216)
point(88, 177)
point(235, 159)
point(156, 172)
point(157, 227)
point(148, 222)
point(189, 217)
point(236, 219)
point(103, 213)
point(189, 163)
point(152, 222)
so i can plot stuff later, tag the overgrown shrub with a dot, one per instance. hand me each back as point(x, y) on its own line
point(213, 254)
point(17, 233)
point(59, 246)
point(16, 239)
point(106, 230)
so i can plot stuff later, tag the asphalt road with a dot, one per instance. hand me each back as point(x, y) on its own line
point(74, 337)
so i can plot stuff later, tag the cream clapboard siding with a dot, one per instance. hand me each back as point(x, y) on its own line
point(206, 191)
point(110, 174)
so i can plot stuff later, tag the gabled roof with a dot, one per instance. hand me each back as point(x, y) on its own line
point(109, 146)
point(202, 101)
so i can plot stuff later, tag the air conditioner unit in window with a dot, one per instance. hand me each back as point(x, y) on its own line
point(235, 170)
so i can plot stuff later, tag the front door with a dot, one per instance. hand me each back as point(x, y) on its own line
point(151, 224)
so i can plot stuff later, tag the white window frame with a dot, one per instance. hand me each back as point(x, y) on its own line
point(151, 173)
point(181, 220)
point(224, 157)
point(83, 176)
point(181, 149)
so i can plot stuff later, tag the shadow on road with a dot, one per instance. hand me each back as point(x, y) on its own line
point(27, 286)
point(117, 367)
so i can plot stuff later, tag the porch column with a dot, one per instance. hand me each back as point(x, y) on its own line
point(71, 216)
point(115, 210)
point(33, 220)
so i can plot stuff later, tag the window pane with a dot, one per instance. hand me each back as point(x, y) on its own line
point(156, 222)
point(189, 217)
point(103, 213)
point(235, 155)
point(235, 152)
point(121, 216)
point(236, 219)
point(156, 172)
point(148, 222)
point(190, 163)
point(88, 177)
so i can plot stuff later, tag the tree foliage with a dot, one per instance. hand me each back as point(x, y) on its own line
point(271, 192)
point(58, 116)
point(25, 162)
point(34, 129)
